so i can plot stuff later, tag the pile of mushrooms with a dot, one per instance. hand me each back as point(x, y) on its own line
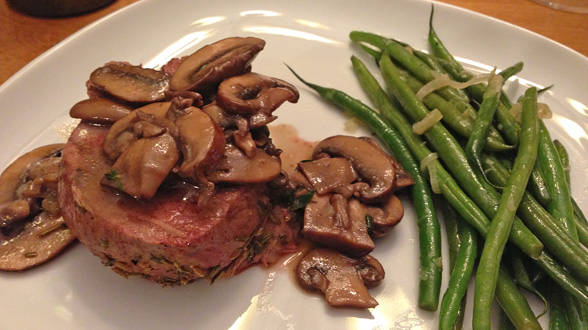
point(353, 182)
point(202, 118)
point(31, 228)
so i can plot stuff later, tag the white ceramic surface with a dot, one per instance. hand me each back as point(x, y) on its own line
point(77, 292)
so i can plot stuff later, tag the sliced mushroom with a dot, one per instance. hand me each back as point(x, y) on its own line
point(46, 170)
point(202, 143)
point(253, 93)
point(99, 110)
point(40, 240)
point(219, 115)
point(11, 178)
point(382, 217)
point(343, 280)
point(130, 83)
point(328, 221)
point(190, 98)
point(403, 178)
point(30, 240)
point(213, 63)
point(13, 211)
point(245, 142)
point(141, 169)
point(371, 271)
point(371, 163)
point(236, 167)
point(329, 174)
point(120, 136)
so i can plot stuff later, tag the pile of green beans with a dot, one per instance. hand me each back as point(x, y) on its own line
point(494, 203)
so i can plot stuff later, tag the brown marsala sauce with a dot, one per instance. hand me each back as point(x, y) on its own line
point(295, 149)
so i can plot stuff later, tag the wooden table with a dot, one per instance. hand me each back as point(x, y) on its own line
point(22, 37)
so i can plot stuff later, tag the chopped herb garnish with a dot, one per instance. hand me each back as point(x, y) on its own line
point(114, 177)
point(214, 273)
point(257, 244)
point(51, 229)
point(301, 201)
point(104, 243)
point(369, 221)
point(32, 254)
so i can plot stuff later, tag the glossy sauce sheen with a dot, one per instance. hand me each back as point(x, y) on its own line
point(294, 148)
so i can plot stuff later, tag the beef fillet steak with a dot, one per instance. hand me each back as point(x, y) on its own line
point(167, 239)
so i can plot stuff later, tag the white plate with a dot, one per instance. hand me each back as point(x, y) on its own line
point(77, 292)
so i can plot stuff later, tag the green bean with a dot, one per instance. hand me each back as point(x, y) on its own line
point(553, 172)
point(477, 91)
point(538, 187)
point(556, 171)
point(453, 155)
point(582, 229)
point(458, 199)
point(505, 323)
point(429, 229)
point(413, 64)
point(514, 303)
point(508, 126)
point(486, 199)
point(461, 123)
point(432, 62)
point(558, 319)
point(477, 139)
point(460, 277)
point(579, 219)
point(578, 211)
point(450, 218)
point(521, 276)
point(506, 74)
point(449, 188)
point(574, 313)
point(560, 276)
point(500, 227)
point(565, 159)
point(542, 223)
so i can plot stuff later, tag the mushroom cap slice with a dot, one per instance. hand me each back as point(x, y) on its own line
point(324, 223)
point(113, 144)
point(393, 213)
point(11, 212)
point(99, 110)
point(340, 278)
point(384, 216)
point(202, 142)
point(251, 93)
point(371, 271)
point(236, 167)
point(218, 114)
point(213, 63)
point(370, 162)
point(26, 249)
point(141, 169)
point(328, 174)
point(130, 83)
point(40, 240)
point(11, 177)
